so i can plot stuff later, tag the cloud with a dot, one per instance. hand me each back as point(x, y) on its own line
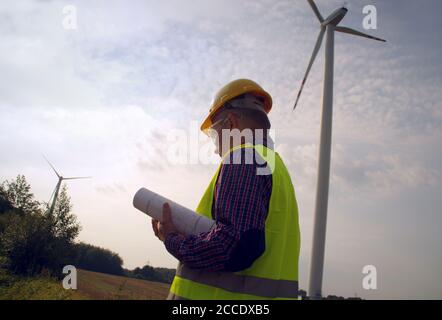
point(111, 190)
point(381, 175)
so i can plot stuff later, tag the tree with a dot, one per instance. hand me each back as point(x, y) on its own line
point(97, 259)
point(153, 274)
point(64, 222)
point(5, 204)
point(27, 244)
point(18, 193)
point(31, 240)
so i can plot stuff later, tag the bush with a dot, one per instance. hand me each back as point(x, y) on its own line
point(28, 245)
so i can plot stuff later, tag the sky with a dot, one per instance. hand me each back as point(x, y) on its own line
point(109, 98)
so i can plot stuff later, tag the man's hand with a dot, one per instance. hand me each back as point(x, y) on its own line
point(162, 229)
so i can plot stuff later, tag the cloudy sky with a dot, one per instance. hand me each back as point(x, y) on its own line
point(108, 98)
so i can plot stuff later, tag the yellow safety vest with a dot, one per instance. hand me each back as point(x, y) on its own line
point(273, 275)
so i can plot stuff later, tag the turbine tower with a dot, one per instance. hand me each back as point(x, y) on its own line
point(57, 187)
point(328, 27)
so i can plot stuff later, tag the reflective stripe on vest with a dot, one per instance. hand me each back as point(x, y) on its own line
point(241, 283)
point(274, 275)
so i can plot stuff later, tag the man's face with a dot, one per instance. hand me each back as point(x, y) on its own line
point(215, 133)
point(223, 120)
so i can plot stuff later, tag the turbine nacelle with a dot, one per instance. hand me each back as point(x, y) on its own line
point(335, 17)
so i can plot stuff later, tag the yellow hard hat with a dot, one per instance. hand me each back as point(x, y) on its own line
point(232, 90)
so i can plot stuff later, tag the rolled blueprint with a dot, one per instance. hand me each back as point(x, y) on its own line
point(186, 221)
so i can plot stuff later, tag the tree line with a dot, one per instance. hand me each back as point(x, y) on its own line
point(34, 239)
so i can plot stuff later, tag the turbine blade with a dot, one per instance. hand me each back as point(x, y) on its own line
point(73, 178)
point(316, 10)
point(312, 59)
point(357, 33)
point(51, 166)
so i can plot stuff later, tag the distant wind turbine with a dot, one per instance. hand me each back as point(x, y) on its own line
point(57, 187)
point(328, 26)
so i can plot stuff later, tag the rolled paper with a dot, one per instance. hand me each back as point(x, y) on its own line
point(186, 221)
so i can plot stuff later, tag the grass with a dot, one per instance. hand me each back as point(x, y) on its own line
point(90, 286)
point(33, 288)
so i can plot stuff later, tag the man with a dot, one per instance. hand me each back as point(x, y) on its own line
point(252, 251)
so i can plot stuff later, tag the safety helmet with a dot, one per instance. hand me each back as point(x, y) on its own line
point(232, 90)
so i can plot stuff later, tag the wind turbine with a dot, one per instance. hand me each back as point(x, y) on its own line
point(57, 187)
point(328, 27)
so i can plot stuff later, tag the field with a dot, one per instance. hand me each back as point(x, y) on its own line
point(91, 285)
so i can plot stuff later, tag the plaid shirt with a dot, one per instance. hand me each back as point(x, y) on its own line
point(240, 207)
